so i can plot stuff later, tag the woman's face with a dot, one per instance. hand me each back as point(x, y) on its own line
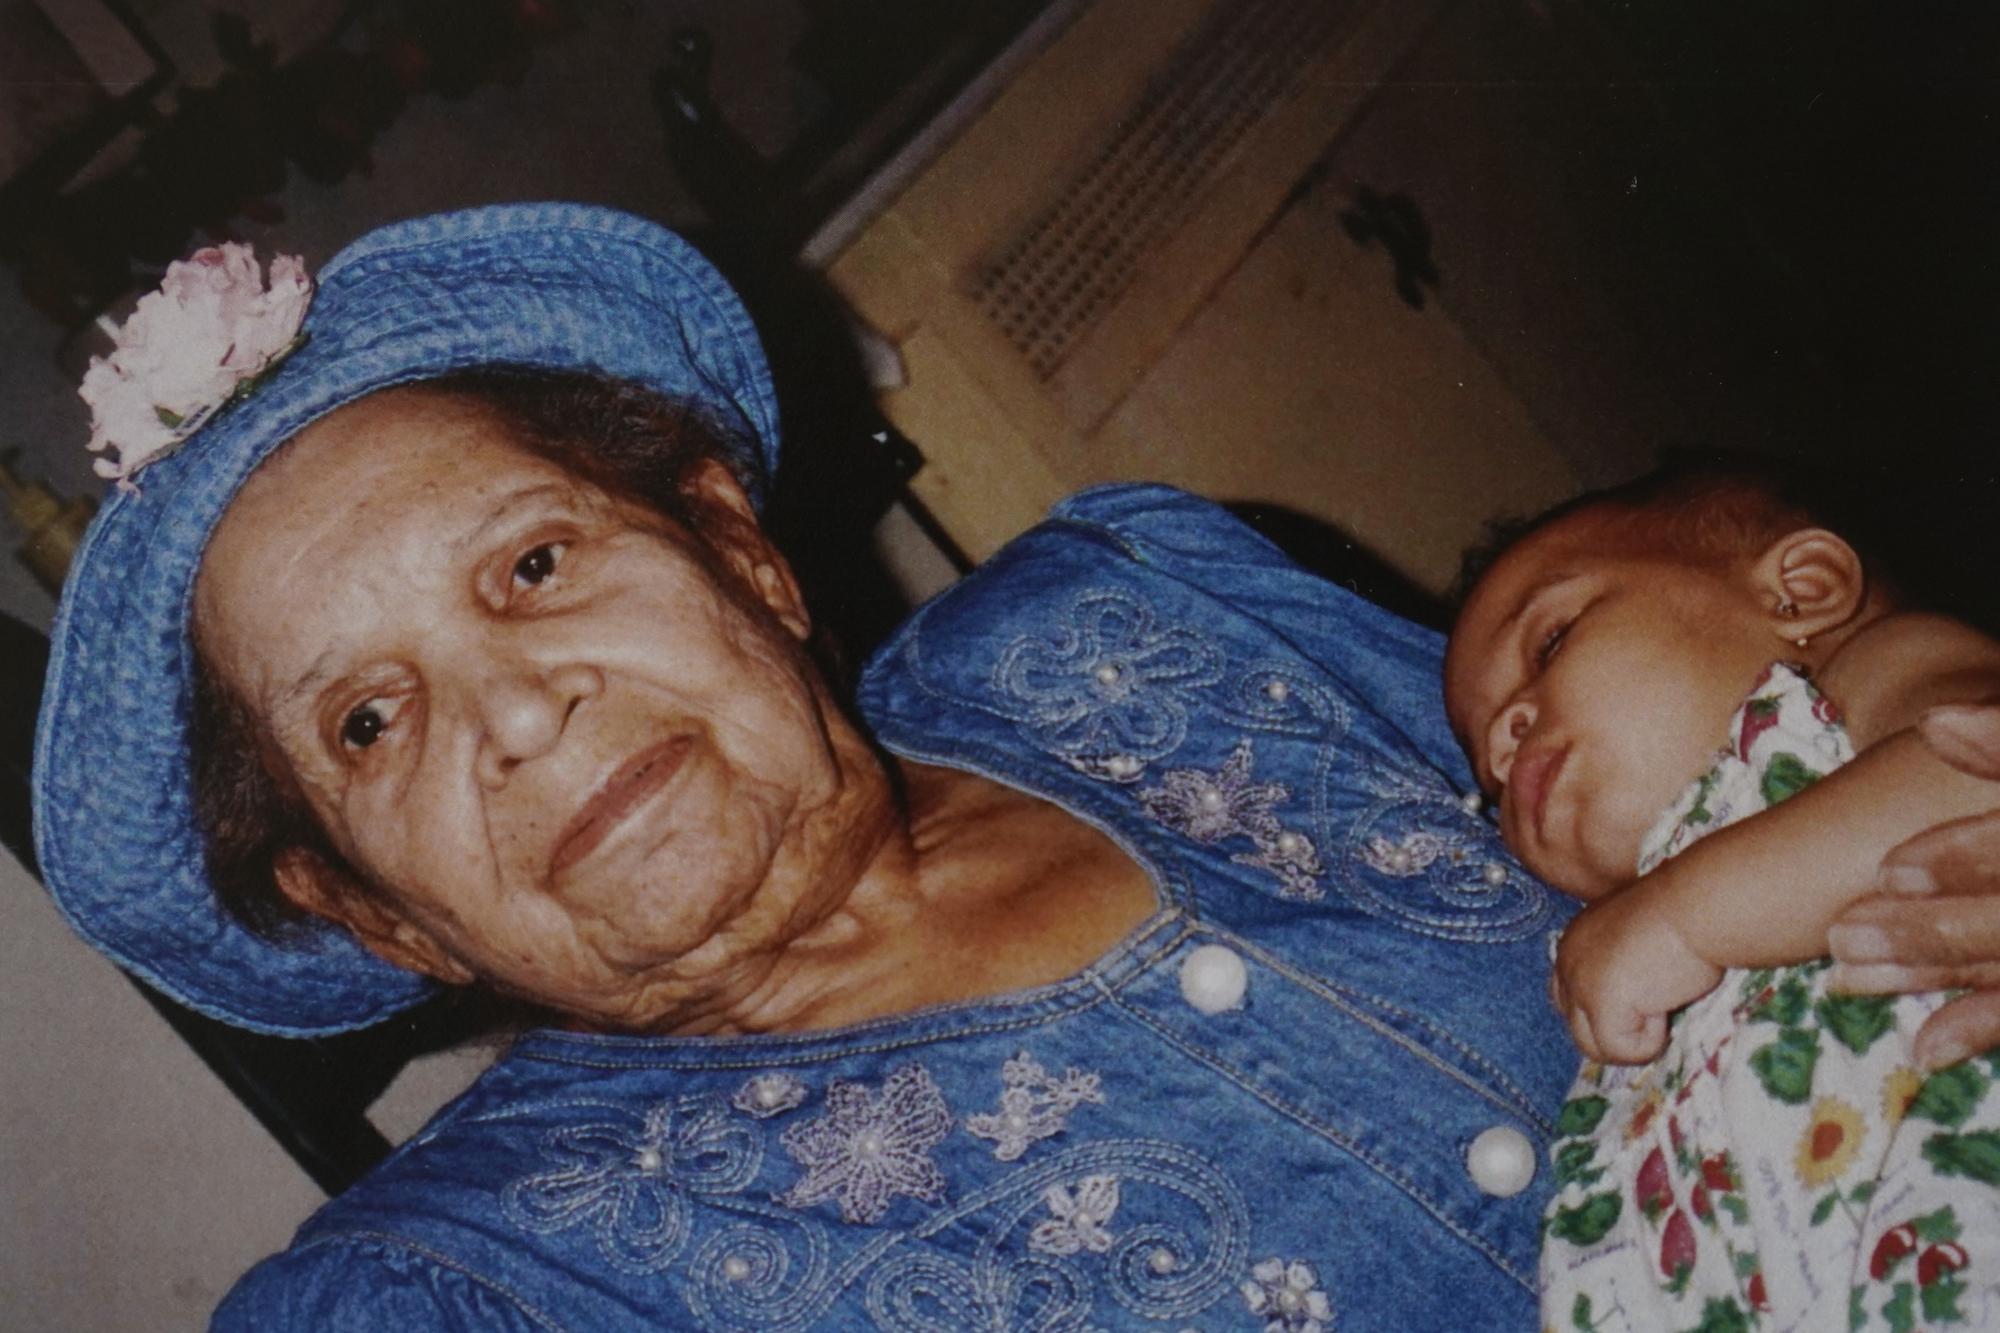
point(579, 753)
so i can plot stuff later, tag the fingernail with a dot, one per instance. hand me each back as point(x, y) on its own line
point(1961, 735)
point(1858, 944)
point(1869, 979)
point(1939, 1053)
point(1906, 879)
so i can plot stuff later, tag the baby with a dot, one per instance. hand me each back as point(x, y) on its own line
point(1780, 1163)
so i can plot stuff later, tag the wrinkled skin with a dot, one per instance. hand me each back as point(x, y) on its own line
point(576, 751)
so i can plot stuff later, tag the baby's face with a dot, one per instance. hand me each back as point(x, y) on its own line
point(1590, 682)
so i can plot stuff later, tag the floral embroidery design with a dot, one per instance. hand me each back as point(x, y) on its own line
point(1288, 1297)
point(632, 1186)
point(1445, 871)
point(1208, 807)
point(1079, 1217)
point(1412, 855)
point(766, 1095)
point(1033, 1105)
point(1111, 690)
point(865, 1150)
point(1277, 697)
point(1183, 1255)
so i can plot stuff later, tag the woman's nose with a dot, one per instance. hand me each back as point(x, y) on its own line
point(524, 714)
point(1504, 738)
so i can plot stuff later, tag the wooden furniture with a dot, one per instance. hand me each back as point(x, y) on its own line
point(1198, 241)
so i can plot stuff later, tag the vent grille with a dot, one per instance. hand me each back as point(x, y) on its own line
point(1078, 256)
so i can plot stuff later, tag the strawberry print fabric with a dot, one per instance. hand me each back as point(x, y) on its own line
point(1783, 1165)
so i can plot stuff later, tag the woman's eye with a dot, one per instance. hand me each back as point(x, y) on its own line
point(538, 563)
point(363, 726)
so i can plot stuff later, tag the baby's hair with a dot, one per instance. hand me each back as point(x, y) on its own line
point(1710, 508)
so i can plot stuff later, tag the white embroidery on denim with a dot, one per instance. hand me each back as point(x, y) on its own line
point(1412, 855)
point(1194, 1216)
point(1292, 857)
point(1276, 697)
point(927, 1292)
point(1109, 691)
point(1445, 871)
point(748, 1275)
point(631, 1185)
point(765, 1095)
point(772, 1270)
point(1210, 806)
point(864, 1150)
point(1288, 1297)
point(1033, 1105)
point(1078, 1217)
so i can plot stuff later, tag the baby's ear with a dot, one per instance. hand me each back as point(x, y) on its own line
point(1812, 582)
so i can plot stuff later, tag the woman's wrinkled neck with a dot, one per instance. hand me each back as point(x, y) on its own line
point(974, 890)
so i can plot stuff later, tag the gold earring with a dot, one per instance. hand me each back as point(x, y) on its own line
point(1789, 610)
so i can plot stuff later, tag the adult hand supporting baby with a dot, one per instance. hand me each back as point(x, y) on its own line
point(1936, 922)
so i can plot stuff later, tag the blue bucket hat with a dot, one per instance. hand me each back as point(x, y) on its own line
point(548, 286)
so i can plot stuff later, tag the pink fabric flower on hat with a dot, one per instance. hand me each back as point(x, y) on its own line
point(204, 339)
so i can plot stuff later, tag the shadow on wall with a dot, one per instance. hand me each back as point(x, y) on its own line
point(843, 463)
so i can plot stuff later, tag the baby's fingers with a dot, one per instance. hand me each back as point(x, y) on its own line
point(1618, 1038)
point(1633, 1039)
point(1581, 1033)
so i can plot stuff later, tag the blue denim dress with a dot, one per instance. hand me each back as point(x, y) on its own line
point(1313, 1091)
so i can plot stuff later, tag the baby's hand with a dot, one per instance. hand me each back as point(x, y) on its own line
point(1621, 968)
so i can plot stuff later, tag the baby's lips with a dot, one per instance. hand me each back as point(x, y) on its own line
point(1533, 774)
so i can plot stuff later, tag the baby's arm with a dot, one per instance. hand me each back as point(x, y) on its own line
point(1762, 892)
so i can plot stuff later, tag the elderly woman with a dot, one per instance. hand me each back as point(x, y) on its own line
point(1142, 960)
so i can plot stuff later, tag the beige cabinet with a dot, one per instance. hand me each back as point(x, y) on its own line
point(1157, 250)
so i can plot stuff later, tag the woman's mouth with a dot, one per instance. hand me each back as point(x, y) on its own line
point(638, 778)
point(1532, 778)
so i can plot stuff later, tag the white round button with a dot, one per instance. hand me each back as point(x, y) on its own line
point(1501, 1161)
point(1213, 979)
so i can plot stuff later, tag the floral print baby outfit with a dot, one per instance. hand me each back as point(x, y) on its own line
point(1783, 1164)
